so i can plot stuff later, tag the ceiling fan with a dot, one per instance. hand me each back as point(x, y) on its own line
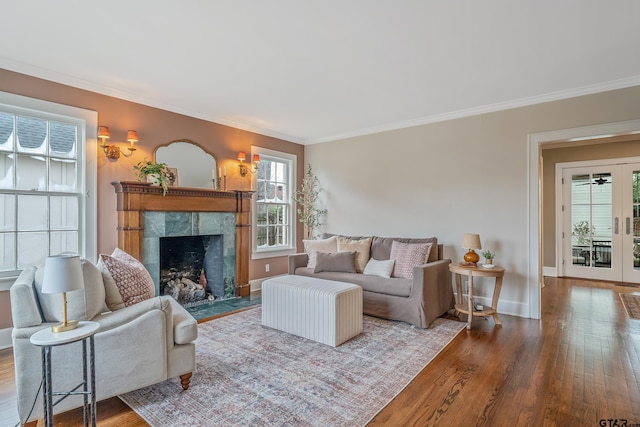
point(599, 181)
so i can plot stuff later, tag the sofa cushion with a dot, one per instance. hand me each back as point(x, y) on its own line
point(362, 247)
point(336, 261)
point(381, 246)
point(131, 278)
point(382, 268)
point(394, 286)
point(83, 304)
point(322, 245)
point(407, 256)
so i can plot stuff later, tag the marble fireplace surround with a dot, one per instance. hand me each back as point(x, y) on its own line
point(137, 201)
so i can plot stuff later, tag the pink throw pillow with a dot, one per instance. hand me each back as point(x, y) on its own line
point(407, 256)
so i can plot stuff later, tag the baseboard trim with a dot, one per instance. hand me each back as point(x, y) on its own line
point(256, 284)
point(550, 271)
point(5, 338)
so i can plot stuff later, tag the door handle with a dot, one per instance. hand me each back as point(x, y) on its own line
point(615, 226)
point(628, 225)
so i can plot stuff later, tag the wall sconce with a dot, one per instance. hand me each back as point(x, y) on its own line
point(244, 169)
point(113, 151)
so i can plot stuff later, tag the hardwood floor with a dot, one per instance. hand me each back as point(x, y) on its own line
point(578, 365)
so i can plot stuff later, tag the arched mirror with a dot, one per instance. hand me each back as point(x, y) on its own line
point(195, 167)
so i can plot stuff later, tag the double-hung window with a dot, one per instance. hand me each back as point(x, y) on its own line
point(274, 211)
point(45, 204)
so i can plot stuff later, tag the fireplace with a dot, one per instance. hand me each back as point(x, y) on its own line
point(191, 270)
point(178, 246)
point(146, 217)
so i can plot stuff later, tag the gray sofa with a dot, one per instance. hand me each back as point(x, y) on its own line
point(418, 301)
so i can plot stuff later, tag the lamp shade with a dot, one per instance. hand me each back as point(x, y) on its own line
point(62, 273)
point(256, 158)
point(132, 136)
point(103, 132)
point(471, 241)
point(241, 156)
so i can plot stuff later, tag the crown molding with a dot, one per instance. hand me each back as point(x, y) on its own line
point(491, 108)
point(69, 80)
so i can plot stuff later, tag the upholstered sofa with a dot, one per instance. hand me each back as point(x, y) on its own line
point(418, 299)
point(136, 346)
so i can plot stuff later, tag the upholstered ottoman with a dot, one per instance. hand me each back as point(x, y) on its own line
point(325, 311)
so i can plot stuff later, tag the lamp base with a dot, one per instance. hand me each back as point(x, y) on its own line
point(471, 256)
point(61, 327)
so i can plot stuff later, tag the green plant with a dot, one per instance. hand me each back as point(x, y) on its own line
point(159, 171)
point(306, 198)
point(488, 255)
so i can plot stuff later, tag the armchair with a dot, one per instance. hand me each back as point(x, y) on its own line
point(136, 346)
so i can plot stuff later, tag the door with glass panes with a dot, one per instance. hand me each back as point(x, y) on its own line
point(601, 222)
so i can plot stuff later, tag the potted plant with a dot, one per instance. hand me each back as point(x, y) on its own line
point(156, 173)
point(306, 198)
point(488, 256)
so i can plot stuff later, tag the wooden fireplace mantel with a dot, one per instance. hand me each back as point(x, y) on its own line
point(134, 198)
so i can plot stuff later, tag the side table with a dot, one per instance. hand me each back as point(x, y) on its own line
point(47, 339)
point(471, 272)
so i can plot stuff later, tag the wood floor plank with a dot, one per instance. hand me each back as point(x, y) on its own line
point(578, 364)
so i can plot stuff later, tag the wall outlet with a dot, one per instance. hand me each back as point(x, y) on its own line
point(266, 268)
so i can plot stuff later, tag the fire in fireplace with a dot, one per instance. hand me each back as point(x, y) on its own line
point(191, 269)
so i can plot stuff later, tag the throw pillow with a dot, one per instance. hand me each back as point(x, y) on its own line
point(127, 281)
point(323, 245)
point(407, 256)
point(382, 268)
point(342, 262)
point(362, 248)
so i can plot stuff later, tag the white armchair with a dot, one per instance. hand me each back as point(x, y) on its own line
point(136, 346)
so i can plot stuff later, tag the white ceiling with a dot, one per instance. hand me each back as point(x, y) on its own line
point(313, 71)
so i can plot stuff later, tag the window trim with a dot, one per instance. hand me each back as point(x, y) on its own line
point(293, 216)
point(87, 121)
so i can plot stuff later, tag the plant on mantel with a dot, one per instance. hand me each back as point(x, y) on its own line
point(306, 198)
point(156, 173)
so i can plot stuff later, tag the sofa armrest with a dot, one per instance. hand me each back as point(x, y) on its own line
point(432, 285)
point(185, 327)
point(25, 311)
point(297, 261)
point(115, 319)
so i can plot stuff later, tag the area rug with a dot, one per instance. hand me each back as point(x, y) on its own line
point(631, 303)
point(250, 375)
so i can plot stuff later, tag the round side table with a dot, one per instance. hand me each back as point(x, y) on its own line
point(46, 339)
point(471, 272)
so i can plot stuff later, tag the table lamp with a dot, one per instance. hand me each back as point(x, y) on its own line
point(62, 274)
point(471, 242)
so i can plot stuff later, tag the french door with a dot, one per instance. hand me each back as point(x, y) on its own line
point(601, 222)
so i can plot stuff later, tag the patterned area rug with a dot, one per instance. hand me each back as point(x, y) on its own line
point(249, 375)
point(631, 303)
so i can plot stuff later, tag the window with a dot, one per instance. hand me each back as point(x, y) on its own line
point(45, 205)
point(274, 213)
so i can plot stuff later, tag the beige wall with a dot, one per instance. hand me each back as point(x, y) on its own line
point(468, 175)
point(155, 127)
point(613, 149)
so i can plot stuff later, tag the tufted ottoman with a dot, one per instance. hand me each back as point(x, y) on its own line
point(325, 311)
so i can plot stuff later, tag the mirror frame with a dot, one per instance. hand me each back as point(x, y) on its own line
point(188, 141)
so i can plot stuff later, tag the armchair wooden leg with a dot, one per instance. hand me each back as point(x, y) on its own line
point(185, 379)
